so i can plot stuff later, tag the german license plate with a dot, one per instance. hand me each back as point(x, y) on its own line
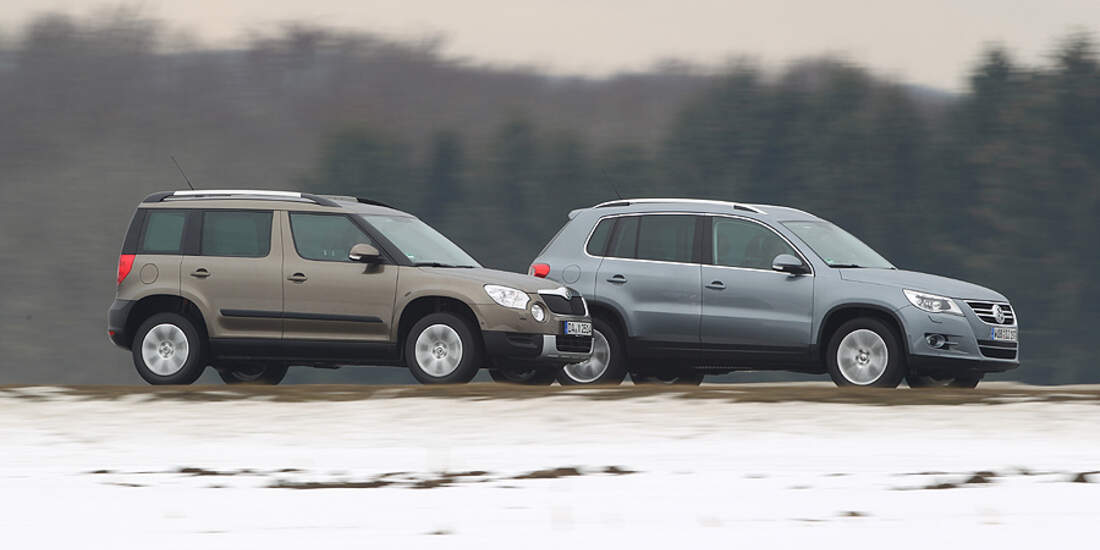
point(1006, 334)
point(578, 328)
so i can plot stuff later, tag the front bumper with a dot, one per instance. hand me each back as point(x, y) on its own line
point(965, 351)
point(557, 349)
point(117, 316)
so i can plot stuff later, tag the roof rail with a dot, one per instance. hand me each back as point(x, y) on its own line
point(628, 202)
point(240, 194)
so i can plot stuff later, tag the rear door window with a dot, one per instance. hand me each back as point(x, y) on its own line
point(625, 241)
point(236, 233)
point(163, 232)
point(666, 238)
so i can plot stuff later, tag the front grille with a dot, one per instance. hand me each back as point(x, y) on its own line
point(579, 344)
point(998, 350)
point(564, 306)
point(984, 311)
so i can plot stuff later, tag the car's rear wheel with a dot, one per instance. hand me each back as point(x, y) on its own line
point(865, 352)
point(607, 365)
point(168, 349)
point(252, 373)
point(525, 377)
point(441, 348)
point(929, 381)
point(668, 378)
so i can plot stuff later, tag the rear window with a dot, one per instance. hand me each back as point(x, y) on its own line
point(163, 232)
point(597, 243)
point(241, 234)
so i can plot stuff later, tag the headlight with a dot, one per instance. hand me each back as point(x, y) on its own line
point(508, 297)
point(932, 303)
point(537, 313)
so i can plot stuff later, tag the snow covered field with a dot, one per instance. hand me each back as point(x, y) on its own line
point(490, 466)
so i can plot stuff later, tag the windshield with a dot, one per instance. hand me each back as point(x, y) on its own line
point(421, 244)
point(837, 247)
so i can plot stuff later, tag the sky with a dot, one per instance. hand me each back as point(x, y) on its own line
point(926, 42)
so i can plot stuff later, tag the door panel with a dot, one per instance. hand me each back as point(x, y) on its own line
point(747, 306)
point(326, 296)
point(236, 278)
point(656, 286)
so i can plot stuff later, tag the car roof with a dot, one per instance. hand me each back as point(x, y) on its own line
point(703, 206)
point(266, 199)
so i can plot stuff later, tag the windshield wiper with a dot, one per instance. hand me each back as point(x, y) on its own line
point(845, 265)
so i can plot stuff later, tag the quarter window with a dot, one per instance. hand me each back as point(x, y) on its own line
point(241, 234)
point(597, 243)
point(325, 237)
point(741, 243)
point(666, 238)
point(163, 232)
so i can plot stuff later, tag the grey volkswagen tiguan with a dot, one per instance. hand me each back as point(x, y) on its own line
point(679, 288)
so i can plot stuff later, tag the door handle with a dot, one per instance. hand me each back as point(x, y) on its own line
point(717, 285)
point(617, 279)
point(298, 278)
point(201, 273)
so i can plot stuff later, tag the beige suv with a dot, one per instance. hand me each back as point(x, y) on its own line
point(251, 282)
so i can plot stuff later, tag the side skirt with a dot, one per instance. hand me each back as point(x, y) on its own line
point(307, 351)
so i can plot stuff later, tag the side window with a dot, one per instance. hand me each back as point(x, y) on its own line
point(163, 232)
point(325, 237)
point(597, 243)
point(242, 234)
point(740, 243)
point(625, 243)
point(666, 238)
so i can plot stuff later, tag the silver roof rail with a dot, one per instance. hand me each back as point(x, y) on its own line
point(628, 202)
point(262, 194)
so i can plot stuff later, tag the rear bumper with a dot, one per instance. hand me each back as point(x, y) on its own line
point(117, 315)
point(537, 348)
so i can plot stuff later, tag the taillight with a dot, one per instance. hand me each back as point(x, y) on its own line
point(125, 262)
point(539, 270)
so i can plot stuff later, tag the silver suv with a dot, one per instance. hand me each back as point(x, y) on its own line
point(679, 288)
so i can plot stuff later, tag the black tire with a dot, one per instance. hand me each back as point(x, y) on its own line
point(686, 378)
point(261, 374)
point(470, 359)
point(529, 377)
point(191, 368)
point(616, 355)
point(894, 369)
point(968, 381)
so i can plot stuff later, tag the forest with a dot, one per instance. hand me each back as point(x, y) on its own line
point(995, 184)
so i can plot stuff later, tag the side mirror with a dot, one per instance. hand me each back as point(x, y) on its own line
point(364, 253)
point(786, 263)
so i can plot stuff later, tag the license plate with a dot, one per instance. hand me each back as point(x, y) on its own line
point(578, 328)
point(1006, 334)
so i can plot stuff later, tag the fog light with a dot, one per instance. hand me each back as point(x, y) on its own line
point(538, 313)
point(937, 341)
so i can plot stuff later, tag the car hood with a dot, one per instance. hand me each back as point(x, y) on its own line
point(482, 275)
point(913, 280)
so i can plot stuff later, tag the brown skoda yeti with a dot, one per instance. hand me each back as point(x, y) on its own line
point(251, 282)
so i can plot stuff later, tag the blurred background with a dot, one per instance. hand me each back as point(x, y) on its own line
point(946, 152)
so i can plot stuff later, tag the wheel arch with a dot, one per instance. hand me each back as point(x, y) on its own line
point(840, 314)
point(425, 305)
point(164, 303)
point(610, 314)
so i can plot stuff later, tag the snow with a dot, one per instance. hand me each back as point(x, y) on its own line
point(102, 469)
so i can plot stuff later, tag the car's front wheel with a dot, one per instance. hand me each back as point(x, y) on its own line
point(168, 349)
point(442, 348)
point(865, 352)
point(253, 373)
point(607, 365)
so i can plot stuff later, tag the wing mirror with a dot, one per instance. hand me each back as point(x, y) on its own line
point(786, 263)
point(364, 253)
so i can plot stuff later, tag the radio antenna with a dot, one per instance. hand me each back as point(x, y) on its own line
point(182, 173)
point(613, 188)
